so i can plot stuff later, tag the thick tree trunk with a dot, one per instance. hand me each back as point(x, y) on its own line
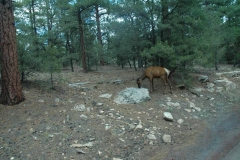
point(82, 42)
point(11, 90)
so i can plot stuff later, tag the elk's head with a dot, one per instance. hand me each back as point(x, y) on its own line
point(139, 83)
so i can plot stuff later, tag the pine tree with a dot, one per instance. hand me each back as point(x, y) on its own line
point(11, 93)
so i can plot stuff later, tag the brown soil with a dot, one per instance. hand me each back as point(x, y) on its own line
point(45, 125)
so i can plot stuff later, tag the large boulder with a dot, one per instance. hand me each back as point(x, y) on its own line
point(132, 96)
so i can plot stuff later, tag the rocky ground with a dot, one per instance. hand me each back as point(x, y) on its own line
point(80, 120)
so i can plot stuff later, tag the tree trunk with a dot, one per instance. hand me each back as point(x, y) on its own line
point(69, 50)
point(11, 92)
point(82, 42)
point(165, 33)
point(134, 63)
point(216, 60)
point(99, 34)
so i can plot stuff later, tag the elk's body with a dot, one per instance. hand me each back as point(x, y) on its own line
point(155, 72)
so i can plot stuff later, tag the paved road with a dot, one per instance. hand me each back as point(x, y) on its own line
point(234, 154)
point(220, 140)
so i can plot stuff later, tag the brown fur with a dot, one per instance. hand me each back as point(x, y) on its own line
point(155, 72)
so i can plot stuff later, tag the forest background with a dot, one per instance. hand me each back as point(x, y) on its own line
point(55, 34)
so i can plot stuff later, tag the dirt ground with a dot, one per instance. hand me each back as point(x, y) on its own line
point(47, 126)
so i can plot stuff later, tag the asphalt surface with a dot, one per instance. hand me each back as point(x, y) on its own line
point(234, 154)
point(219, 141)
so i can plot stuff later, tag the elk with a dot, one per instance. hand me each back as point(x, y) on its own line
point(155, 72)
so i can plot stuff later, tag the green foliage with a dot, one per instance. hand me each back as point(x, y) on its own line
point(178, 33)
point(51, 61)
point(183, 77)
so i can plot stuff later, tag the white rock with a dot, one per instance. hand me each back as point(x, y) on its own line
point(117, 159)
point(118, 81)
point(210, 85)
point(211, 90)
point(78, 84)
point(132, 96)
point(167, 138)
point(180, 121)
point(99, 104)
point(89, 145)
point(32, 130)
point(232, 73)
point(203, 78)
point(139, 126)
point(80, 151)
point(173, 104)
point(107, 95)
point(188, 110)
point(57, 100)
point(79, 107)
point(107, 127)
point(230, 86)
point(168, 98)
point(168, 116)
point(40, 100)
point(199, 89)
point(83, 116)
point(192, 105)
point(51, 135)
point(219, 89)
point(151, 136)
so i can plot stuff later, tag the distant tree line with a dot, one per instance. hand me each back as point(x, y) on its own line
point(53, 33)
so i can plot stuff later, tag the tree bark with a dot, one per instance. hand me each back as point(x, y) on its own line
point(99, 34)
point(82, 41)
point(165, 33)
point(11, 89)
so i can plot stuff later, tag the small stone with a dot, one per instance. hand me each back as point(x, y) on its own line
point(107, 95)
point(118, 81)
point(83, 116)
point(203, 78)
point(167, 138)
point(139, 126)
point(40, 100)
point(151, 136)
point(89, 145)
point(210, 85)
point(79, 107)
point(131, 126)
point(168, 98)
point(117, 159)
point(99, 104)
point(101, 111)
point(32, 130)
point(51, 135)
point(57, 100)
point(192, 105)
point(80, 151)
point(168, 116)
point(188, 110)
point(180, 121)
point(107, 127)
point(173, 104)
